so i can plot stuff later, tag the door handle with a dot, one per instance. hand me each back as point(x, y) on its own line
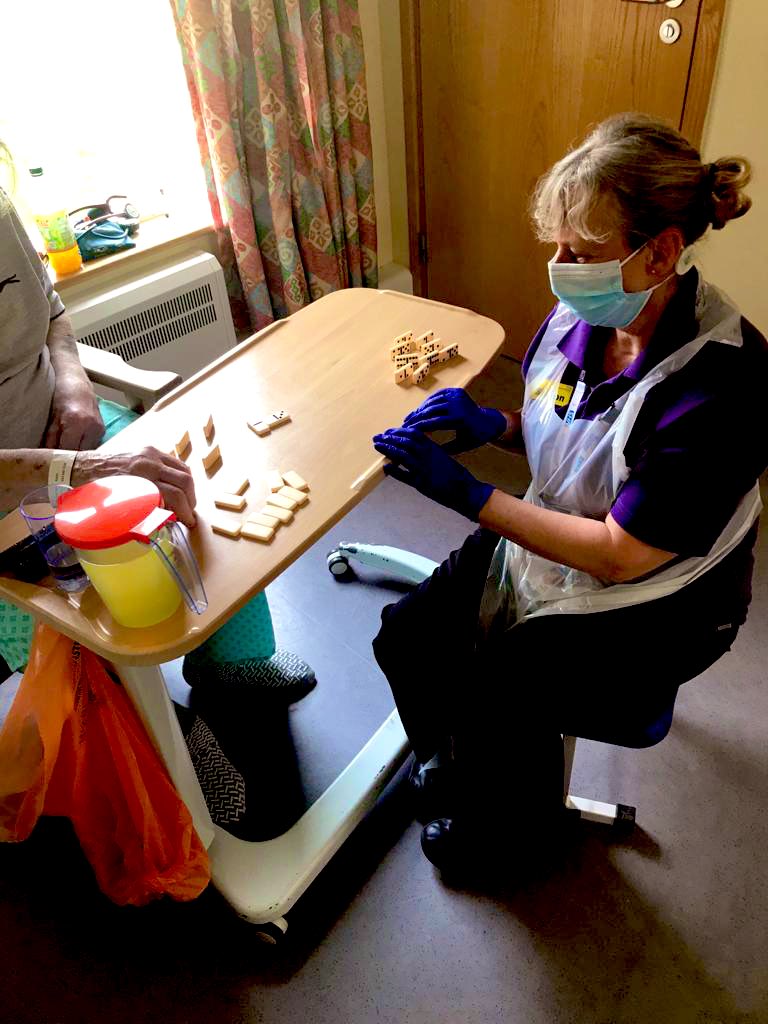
point(658, 3)
point(669, 31)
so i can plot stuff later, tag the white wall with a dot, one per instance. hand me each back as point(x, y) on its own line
point(736, 258)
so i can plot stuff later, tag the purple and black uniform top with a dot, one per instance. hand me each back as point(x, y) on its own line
point(697, 447)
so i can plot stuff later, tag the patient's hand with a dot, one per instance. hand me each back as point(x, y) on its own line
point(172, 476)
point(75, 422)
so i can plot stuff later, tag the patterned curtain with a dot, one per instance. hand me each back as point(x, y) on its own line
point(279, 97)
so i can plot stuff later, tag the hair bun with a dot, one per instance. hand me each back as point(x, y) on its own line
point(725, 179)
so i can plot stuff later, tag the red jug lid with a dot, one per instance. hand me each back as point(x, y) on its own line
point(111, 511)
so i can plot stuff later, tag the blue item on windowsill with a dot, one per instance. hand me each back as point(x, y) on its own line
point(103, 238)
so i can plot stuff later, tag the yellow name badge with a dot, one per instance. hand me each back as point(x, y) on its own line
point(563, 396)
point(541, 387)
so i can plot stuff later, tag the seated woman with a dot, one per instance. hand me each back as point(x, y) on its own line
point(626, 569)
point(50, 412)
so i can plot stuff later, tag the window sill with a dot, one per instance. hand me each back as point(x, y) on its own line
point(155, 236)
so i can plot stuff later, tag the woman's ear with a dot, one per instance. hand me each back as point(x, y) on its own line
point(664, 251)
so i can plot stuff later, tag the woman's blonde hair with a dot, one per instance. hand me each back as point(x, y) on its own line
point(652, 176)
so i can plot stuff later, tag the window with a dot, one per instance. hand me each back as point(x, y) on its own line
point(93, 91)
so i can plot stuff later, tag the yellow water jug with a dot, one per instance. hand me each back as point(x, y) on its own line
point(134, 552)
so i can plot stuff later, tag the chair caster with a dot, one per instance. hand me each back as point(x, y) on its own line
point(338, 564)
point(271, 933)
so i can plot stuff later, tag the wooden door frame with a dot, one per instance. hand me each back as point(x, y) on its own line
point(701, 75)
point(414, 141)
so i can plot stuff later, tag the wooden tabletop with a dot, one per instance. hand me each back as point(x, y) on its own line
point(329, 366)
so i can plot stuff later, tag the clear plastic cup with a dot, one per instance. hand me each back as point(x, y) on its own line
point(38, 508)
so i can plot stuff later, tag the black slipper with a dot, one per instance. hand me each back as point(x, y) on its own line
point(283, 679)
point(222, 784)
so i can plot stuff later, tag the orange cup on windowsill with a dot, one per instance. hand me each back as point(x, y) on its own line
point(66, 261)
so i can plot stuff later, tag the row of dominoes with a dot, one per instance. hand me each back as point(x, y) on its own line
point(212, 456)
point(261, 426)
point(414, 359)
point(287, 492)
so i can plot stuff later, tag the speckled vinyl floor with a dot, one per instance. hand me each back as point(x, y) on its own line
point(668, 926)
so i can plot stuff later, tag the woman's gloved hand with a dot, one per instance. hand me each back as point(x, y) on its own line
point(453, 409)
point(418, 461)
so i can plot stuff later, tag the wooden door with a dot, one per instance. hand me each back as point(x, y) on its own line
point(506, 87)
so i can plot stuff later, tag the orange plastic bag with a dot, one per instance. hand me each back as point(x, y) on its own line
point(74, 745)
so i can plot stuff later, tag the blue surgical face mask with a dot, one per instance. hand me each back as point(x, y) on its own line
point(595, 291)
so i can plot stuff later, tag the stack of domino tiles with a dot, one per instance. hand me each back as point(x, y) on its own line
point(414, 359)
point(287, 492)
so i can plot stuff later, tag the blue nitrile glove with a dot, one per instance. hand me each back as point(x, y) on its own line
point(453, 409)
point(418, 461)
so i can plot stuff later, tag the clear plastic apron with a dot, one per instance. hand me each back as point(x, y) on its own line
point(579, 467)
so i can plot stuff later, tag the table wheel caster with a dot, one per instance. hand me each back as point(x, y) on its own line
point(338, 564)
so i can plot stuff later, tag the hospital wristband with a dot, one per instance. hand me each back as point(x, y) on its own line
point(60, 469)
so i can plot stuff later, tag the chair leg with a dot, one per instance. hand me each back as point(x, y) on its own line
point(569, 752)
point(619, 815)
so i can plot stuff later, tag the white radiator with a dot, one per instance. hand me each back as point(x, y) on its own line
point(176, 319)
